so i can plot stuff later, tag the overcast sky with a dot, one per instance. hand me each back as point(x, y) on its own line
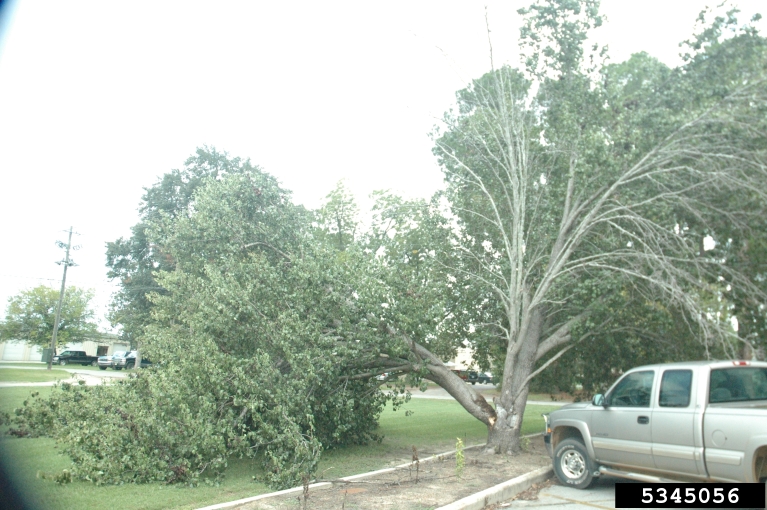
point(98, 99)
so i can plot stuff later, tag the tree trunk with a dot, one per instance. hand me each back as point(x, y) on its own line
point(138, 359)
point(503, 435)
point(468, 397)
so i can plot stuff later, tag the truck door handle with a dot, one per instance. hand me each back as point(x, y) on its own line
point(643, 420)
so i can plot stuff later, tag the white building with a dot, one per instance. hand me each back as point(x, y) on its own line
point(463, 359)
point(18, 350)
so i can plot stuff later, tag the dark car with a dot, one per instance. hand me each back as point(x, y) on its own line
point(479, 377)
point(70, 357)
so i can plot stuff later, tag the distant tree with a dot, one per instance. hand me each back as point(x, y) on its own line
point(31, 314)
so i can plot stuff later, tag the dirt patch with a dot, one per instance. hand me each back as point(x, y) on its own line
point(420, 486)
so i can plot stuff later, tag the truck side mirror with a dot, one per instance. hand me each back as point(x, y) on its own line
point(599, 400)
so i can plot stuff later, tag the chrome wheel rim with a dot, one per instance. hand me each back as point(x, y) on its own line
point(573, 464)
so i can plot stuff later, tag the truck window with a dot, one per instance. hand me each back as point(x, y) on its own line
point(737, 385)
point(675, 388)
point(633, 390)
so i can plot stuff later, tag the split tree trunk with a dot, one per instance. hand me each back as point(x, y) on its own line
point(503, 435)
point(504, 423)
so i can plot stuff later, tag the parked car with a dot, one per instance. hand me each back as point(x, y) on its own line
point(479, 377)
point(109, 360)
point(129, 361)
point(69, 357)
point(703, 421)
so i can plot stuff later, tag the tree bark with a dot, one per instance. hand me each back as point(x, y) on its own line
point(503, 435)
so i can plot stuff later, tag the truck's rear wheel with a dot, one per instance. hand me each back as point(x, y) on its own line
point(94, 363)
point(573, 465)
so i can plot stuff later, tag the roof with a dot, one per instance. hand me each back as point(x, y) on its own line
point(712, 363)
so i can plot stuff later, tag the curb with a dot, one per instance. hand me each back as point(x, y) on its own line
point(500, 488)
point(500, 492)
point(322, 485)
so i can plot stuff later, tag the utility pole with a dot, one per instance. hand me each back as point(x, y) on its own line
point(66, 262)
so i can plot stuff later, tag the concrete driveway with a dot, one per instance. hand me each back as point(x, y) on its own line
point(558, 497)
point(600, 495)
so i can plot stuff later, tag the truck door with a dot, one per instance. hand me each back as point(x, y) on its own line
point(730, 420)
point(673, 425)
point(621, 432)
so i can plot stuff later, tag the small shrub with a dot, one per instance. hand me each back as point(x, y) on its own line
point(460, 459)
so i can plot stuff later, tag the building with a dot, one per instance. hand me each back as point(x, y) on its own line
point(463, 359)
point(19, 350)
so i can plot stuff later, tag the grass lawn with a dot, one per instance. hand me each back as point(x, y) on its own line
point(32, 364)
point(26, 375)
point(11, 398)
point(40, 365)
point(432, 428)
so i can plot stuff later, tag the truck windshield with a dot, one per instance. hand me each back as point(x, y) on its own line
point(738, 384)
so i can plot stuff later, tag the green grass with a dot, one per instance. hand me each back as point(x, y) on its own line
point(33, 364)
point(5, 364)
point(432, 428)
point(27, 375)
point(11, 398)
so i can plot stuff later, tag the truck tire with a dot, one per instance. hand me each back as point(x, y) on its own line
point(129, 366)
point(94, 363)
point(63, 362)
point(572, 464)
point(102, 368)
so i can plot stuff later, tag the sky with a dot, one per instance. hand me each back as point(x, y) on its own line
point(99, 99)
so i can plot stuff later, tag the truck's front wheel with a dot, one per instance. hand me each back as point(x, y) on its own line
point(63, 362)
point(573, 465)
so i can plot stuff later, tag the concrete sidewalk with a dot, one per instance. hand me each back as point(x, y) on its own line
point(558, 497)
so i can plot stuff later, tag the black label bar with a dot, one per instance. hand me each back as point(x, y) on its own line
point(689, 495)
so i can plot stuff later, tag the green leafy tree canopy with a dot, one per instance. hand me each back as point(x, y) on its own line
point(31, 315)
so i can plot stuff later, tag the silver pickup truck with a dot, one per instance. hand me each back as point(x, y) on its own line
point(696, 421)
